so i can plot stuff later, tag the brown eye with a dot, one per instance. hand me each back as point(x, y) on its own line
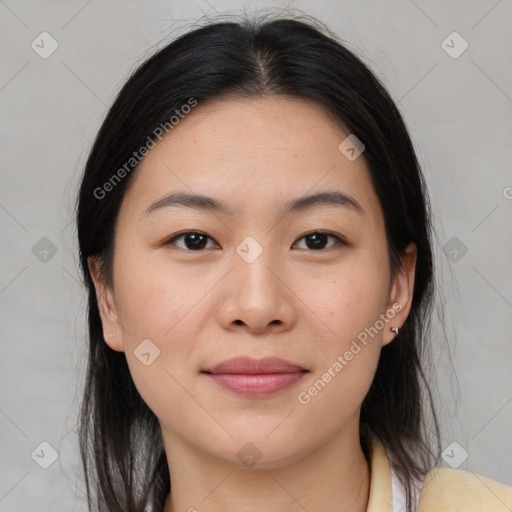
point(192, 240)
point(318, 240)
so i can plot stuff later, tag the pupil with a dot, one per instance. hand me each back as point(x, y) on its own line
point(197, 241)
point(318, 237)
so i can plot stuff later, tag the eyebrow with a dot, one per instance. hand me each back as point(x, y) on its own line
point(203, 202)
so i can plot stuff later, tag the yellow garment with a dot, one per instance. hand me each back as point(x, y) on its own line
point(444, 490)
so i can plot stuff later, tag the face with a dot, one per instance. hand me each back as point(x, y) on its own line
point(309, 284)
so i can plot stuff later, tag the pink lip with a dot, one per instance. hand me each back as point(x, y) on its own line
point(250, 366)
point(253, 377)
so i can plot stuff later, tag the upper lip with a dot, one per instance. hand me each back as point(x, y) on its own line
point(247, 365)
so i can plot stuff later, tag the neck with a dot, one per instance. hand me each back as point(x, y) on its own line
point(336, 476)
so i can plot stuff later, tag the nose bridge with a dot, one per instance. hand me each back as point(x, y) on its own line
point(256, 258)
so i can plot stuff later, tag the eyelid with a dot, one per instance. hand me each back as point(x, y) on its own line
point(339, 238)
point(172, 238)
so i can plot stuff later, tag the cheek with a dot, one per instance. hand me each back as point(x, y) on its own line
point(349, 302)
point(155, 301)
point(347, 354)
point(161, 305)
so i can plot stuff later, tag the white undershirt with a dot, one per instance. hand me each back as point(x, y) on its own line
point(398, 493)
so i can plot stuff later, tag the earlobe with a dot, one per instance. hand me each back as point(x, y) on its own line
point(106, 306)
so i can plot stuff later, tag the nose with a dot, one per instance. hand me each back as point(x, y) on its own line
point(258, 297)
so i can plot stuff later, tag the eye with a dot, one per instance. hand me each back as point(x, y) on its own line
point(317, 239)
point(195, 240)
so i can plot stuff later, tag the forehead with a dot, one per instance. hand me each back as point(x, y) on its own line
point(254, 154)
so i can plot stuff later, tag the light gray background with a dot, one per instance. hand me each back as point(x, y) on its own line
point(457, 109)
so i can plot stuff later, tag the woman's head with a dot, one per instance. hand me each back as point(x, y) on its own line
point(256, 116)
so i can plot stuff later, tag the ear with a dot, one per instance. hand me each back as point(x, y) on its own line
point(400, 296)
point(106, 305)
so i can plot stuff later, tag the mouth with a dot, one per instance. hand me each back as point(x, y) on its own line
point(254, 378)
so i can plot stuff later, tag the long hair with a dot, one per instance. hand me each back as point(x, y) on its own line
point(120, 439)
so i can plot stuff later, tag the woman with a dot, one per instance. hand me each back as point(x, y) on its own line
point(255, 238)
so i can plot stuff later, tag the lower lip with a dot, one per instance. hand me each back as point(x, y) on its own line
point(263, 384)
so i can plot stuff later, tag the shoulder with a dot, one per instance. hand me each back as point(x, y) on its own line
point(447, 490)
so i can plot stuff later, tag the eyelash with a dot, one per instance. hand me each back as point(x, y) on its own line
point(340, 241)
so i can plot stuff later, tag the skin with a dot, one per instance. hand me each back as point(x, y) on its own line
point(303, 304)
